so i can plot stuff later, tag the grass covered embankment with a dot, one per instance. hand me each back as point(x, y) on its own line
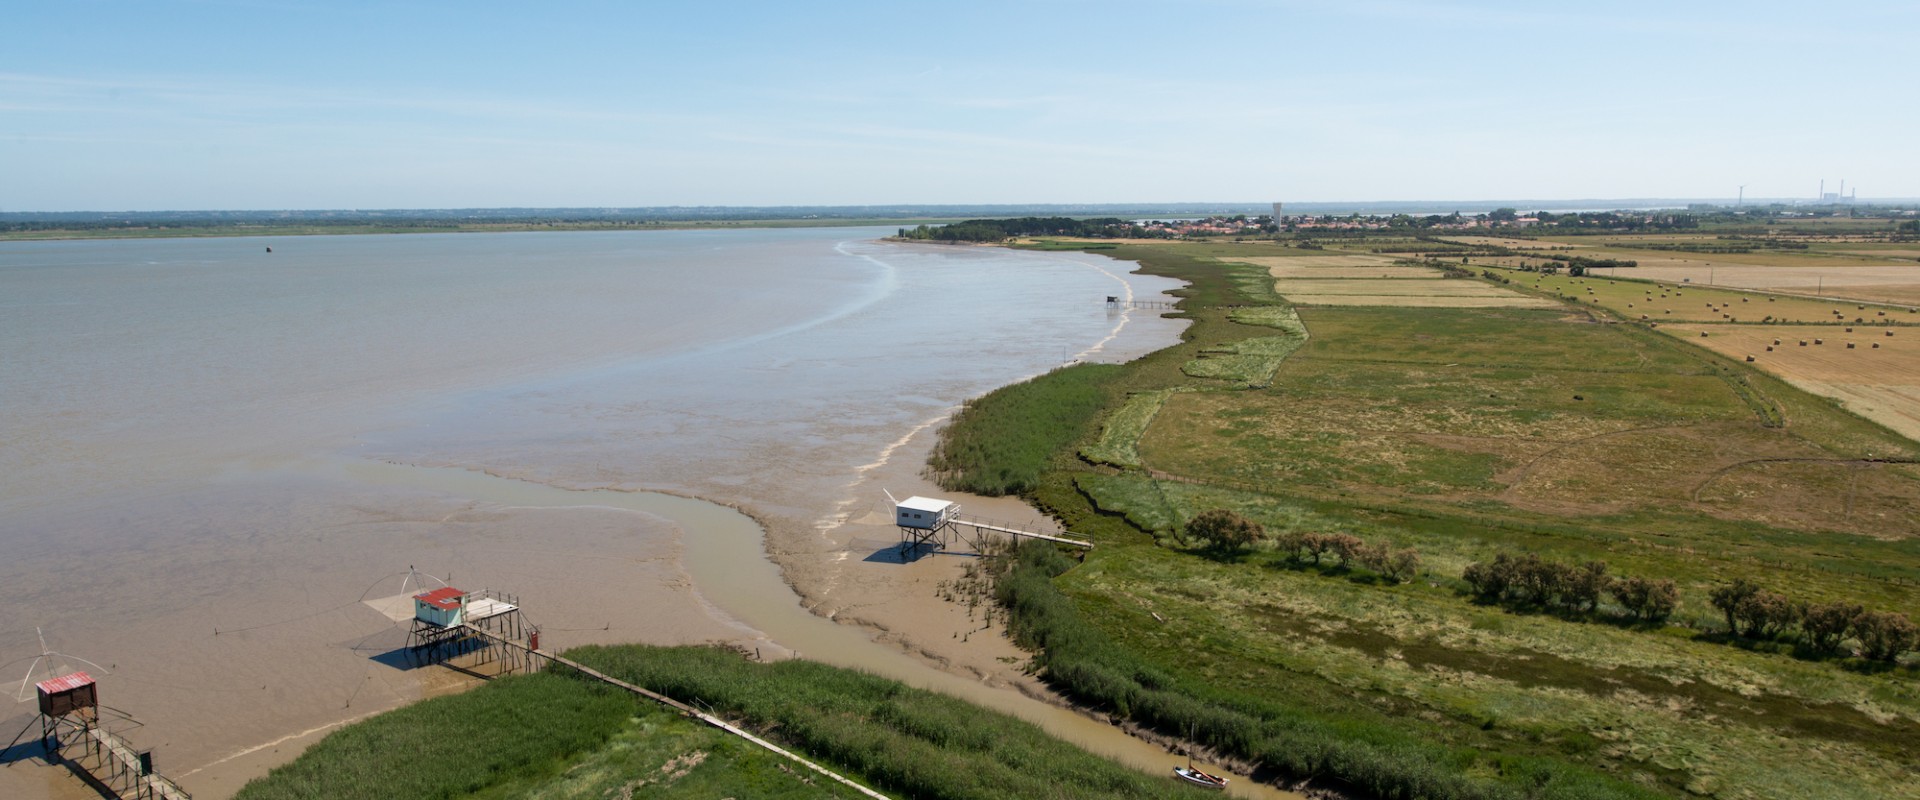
point(1465, 434)
point(558, 735)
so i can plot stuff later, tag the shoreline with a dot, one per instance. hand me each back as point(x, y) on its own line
point(819, 579)
point(69, 235)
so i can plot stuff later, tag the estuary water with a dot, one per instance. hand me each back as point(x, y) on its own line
point(213, 450)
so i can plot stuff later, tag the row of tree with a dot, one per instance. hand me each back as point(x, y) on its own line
point(1530, 582)
point(1757, 613)
point(1224, 530)
point(1533, 582)
point(1000, 230)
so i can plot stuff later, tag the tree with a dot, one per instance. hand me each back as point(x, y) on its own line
point(1827, 623)
point(1537, 581)
point(1884, 635)
point(1767, 614)
point(1646, 599)
point(1346, 546)
point(1580, 588)
point(1225, 530)
point(1490, 580)
point(1402, 564)
point(1727, 598)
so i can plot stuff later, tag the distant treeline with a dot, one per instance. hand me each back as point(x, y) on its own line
point(1000, 230)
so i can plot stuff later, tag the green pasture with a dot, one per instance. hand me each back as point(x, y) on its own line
point(1464, 434)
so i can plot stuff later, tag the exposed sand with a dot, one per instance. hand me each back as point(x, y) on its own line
point(1881, 384)
point(297, 653)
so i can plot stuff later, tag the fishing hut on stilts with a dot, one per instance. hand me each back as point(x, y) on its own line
point(450, 623)
point(932, 523)
point(73, 732)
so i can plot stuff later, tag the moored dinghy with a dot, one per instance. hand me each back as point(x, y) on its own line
point(1198, 778)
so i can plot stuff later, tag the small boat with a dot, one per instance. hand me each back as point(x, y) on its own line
point(1198, 778)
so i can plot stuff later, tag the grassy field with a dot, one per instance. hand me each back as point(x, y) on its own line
point(1466, 434)
point(553, 735)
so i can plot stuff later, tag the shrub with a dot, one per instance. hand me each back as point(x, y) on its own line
point(1646, 599)
point(1767, 614)
point(1884, 635)
point(1728, 598)
point(1826, 624)
point(1225, 530)
point(1580, 588)
point(1346, 546)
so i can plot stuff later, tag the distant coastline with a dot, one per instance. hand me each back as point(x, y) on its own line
point(256, 230)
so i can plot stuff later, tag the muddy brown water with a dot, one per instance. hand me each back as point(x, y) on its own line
point(209, 457)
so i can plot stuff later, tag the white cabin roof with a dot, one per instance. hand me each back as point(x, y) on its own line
point(918, 503)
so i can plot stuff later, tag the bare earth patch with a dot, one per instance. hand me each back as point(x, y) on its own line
point(1879, 383)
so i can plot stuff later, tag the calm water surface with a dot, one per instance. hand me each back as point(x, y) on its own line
point(198, 437)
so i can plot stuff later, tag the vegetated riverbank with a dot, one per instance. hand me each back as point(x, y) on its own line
point(1459, 434)
point(558, 735)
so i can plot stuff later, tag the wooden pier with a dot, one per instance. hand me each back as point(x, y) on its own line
point(73, 733)
point(527, 654)
point(1115, 302)
point(912, 539)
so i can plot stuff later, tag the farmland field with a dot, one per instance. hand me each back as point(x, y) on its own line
point(1562, 432)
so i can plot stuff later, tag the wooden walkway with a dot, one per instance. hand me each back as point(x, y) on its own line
point(669, 702)
point(107, 762)
point(979, 524)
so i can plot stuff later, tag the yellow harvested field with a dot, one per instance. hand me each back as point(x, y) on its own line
point(1389, 287)
point(1772, 278)
point(1499, 241)
point(1901, 252)
point(1421, 301)
point(1315, 261)
point(1412, 273)
point(1881, 384)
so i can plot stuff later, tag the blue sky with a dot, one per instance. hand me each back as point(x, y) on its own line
point(189, 105)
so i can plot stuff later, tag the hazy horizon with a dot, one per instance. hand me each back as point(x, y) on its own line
point(234, 104)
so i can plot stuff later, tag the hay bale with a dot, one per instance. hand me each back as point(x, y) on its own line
point(1819, 341)
point(1776, 341)
point(1849, 345)
point(1876, 345)
point(1749, 358)
point(1703, 334)
point(1803, 343)
point(1769, 348)
point(1849, 328)
point(1889, 333)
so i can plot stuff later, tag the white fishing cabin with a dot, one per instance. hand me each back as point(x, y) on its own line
point(924, 513)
